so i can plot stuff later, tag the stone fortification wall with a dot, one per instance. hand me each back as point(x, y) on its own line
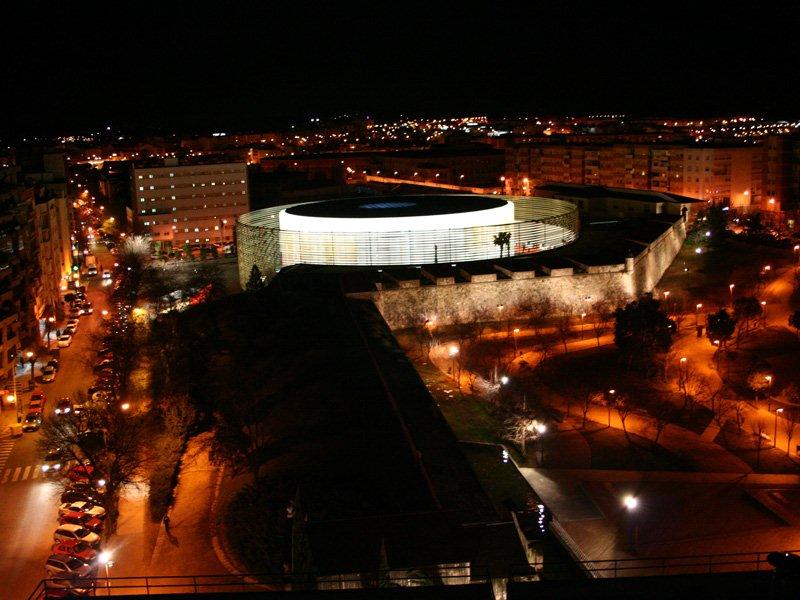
point(447, 304)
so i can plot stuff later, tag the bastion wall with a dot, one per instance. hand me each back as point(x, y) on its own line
point(478, 301)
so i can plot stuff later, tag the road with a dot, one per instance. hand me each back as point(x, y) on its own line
point(29, 499)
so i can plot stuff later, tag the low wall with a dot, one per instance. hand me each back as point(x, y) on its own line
point(478, 301)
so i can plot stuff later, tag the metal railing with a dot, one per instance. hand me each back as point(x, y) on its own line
point(424, 576)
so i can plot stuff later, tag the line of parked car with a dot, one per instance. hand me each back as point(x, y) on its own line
point(72, 567)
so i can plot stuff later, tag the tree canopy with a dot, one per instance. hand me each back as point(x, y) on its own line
point(721, 326)
point(642, 329)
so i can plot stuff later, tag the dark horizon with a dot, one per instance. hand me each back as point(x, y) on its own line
point(172, 68)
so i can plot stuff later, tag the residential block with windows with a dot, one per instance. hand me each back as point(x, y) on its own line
point(196, 203)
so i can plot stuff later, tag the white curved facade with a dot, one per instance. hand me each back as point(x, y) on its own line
point(280, 236)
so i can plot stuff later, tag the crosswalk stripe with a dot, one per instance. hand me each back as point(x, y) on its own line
point(37, 471)
point(6, 475)
point(17, 471)
point(25, 473)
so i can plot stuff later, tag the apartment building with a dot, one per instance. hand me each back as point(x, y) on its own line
point(20, 280)
point(189, 203)
point(742, 176)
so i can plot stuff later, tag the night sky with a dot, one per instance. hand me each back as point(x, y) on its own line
point(179, 67)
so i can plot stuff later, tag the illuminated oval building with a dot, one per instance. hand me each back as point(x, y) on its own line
point(401, 230)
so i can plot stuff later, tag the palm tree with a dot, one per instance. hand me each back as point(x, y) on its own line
point(503, 239)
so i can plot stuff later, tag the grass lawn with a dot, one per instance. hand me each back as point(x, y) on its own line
point(611, 450)
point(708, 275)
point(505, 486)
point(772, 460)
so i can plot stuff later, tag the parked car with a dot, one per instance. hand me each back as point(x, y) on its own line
point(38, 399)
point(63, 406)
point(54, 461)
point(53, 362)
point(64, 340)
point(103, 364)
point(93, 493)
point(65, 564)
point(75, 548)
point(88, 308)
point(87, 494)
point(106, 351)
point(82, 506)
point(32, 421)
point(48, 374)
point(83, 519)
point(70, 531)
point(70, 330)
point(68, 587)
point(81, 473)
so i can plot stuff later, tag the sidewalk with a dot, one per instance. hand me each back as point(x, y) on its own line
point(187, 547)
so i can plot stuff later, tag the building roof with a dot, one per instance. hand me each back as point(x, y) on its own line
point(600, 191)
point(396, 206)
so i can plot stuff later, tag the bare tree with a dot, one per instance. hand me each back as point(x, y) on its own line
point(663, 413)
point(759, 439)
point(520, 429)
point(723, 409)
point(537, 309)
point(602, 313)
point(588, 398)
point(624, 407)
point(789, 422)
point(694, 385)
point(108, 440)
point(739, 409)
point(563, 324)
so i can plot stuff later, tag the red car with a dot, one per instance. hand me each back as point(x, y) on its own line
point(91, 523)
point(81, 473)
point(75, 548)
point(38, 399)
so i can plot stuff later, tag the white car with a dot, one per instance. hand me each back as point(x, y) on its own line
point(73, 322)
point(64, 340)
point(106, 274)
point(64, 564)
point(49, 374)
point(75, 532)
point(84, 507)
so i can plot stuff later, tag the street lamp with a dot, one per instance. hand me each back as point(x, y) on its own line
point(453, 354)
point(32, 361)
point(730, 287)
point(775, 436)
point(516, 332)
point(697, 313)
point(48, 326)
point(104, 558)
point(583, 316)
point(610, 403)
point(631, 503)
point(504, 380)
point(768, 379)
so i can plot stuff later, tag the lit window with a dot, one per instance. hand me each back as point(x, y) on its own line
point(141, 187)
point(141, 199)
point(140, 176)
point(153, 210)
point(152, 187)
point(150, 176)
point(173, 197)
point(172, 174)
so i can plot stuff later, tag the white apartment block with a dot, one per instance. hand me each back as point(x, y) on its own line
point(197, 203)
